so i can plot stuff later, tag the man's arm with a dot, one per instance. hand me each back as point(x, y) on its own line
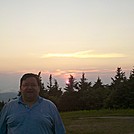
point(58, 123)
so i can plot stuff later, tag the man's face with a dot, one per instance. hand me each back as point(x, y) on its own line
point(30, 89)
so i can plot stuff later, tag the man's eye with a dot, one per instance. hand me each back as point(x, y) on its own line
point(34, 85)
point(27, 85)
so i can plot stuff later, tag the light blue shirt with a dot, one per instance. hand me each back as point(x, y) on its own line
point(42, 118)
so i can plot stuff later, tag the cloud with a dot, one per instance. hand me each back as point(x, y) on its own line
point(90, 74)
point(75, 72)
point(83, 54)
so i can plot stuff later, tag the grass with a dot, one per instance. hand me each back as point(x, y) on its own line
point(99, 122)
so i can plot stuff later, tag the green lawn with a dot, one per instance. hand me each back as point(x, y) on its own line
point(99, 122)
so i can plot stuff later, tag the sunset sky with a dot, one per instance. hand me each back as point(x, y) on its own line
point(63, 37)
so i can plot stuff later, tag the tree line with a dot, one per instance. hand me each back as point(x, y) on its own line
point(82, 95)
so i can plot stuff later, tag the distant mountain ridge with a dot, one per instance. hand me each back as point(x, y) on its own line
point(7, 95)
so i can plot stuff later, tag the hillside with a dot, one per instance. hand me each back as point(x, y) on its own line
point(7, 95)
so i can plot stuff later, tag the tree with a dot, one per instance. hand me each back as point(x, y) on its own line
point(131, 78)
point(130, 86)
point(119, 91)
point(71, 85)
point(55, 90)
point(69, 99)
point(43, 92)
point(83, 87)
point(98, 84)
point(119, 79)
point(83, 84)
point(49, 86)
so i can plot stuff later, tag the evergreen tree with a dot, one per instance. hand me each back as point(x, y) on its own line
point(83, 84)
point(49, 86)
point(55, 89)
point(43, 92)
point(71, 85)
point(131, 77)
point(69, 100)
point(98, 84)
point(119, 94)
point(84, 92)
point(131, 89)
point(119, 79)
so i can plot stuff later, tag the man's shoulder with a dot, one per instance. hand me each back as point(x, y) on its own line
point(10, 104)
point(13, 101)
point(47, 102)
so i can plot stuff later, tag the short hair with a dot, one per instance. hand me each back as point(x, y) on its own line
point(28, 75)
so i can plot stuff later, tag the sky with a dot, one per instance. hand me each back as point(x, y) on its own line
point(63, 37)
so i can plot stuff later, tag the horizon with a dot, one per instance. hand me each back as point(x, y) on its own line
point(10, 81)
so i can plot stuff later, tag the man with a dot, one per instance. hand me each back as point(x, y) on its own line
point(30, 113)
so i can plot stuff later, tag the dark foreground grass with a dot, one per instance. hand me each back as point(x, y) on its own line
point(99, 122)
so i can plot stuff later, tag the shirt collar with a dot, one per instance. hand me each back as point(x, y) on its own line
point(20, 101)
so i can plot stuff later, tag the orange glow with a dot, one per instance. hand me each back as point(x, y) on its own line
point(67, 82)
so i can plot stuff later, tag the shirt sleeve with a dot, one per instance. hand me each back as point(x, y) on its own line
point(3, 125)
point(58, 123)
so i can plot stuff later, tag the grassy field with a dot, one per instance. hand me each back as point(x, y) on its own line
point(99, 122)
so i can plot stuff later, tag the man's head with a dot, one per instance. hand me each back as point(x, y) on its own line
point(30, 87)
point(28, 75)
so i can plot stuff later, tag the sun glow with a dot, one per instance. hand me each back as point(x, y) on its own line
point(67, 82)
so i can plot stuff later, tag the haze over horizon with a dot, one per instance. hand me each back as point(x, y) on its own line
point(65, 37)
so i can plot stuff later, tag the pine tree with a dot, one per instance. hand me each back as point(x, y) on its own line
point(130, 86)
point(131, 77)
point(83, 84)
point(55, 89)
point(119, 94)
point(71, 85)
point(119, 79)
point(43, 92)
point(49, 86)
point(98, 84)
